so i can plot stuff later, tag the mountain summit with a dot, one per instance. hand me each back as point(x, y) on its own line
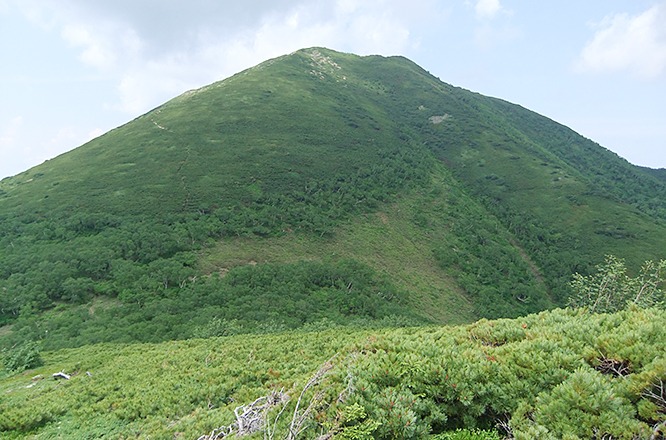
point(315, 187)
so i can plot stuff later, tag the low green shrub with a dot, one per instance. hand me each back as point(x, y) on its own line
point(467, 434)
point(22, 357)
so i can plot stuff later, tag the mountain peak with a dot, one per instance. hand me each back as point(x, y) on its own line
point(363, 183)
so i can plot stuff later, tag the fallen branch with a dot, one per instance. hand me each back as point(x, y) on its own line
point(61, 375)
point(253, 417)
point(299, 418)
point(250, 418)
point(657, 394)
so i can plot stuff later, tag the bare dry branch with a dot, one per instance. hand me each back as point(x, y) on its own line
point(658, 430)
point(250, 418)
point(254, 417)
point(657, 393)
point(299, 418)
point(613, 367)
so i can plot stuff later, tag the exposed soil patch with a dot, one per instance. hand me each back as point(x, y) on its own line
point(439, 119)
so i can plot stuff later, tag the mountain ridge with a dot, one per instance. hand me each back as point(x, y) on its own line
point(325, 152)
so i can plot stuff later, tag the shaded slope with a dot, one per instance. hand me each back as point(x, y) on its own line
point(567, 200)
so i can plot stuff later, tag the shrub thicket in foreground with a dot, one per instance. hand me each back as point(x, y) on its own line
point(559, 374)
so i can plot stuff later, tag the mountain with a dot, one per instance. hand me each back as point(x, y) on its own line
point(315, 188)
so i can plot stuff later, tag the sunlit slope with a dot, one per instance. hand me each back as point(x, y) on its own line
point(602, 371)
point(270, 130)
point(388, 192)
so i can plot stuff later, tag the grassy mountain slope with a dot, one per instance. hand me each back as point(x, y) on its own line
point(559, 374)
point(270, 130)
point(566, 199)
point(660, 173)
point(364, 188)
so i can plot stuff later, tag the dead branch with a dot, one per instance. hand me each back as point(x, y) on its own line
point(61, 375)
point(250, 418)
point(269, 433)
point(657, 393)
point(349, 388)
point(253, 417)
point(504, 424)
point(299, 418)
point(658, 430)
point(613, 367)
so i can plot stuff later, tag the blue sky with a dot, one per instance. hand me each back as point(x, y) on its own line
point(74, 69)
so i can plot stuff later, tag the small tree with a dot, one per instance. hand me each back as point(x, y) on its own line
point(22, 357)
point(610, 289)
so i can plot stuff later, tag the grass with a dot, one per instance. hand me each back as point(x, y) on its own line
point(388, 241)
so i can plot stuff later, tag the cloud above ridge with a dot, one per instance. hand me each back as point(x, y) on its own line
point(631, 43)
point(189, 47)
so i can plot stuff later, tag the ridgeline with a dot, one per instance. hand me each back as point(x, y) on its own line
point(318, 187)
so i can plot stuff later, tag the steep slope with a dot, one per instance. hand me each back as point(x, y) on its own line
point(566, 199)
point(317, 186)
point(659, 173)
point(268, 131)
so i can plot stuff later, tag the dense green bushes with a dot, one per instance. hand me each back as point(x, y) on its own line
point(21, 357)
point(74, 258)
point(544, 376)
point(157, 305)
point(560, 374)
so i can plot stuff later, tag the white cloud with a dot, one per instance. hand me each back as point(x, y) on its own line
point(65, 135)
point(636, 44)
point(94, 51)
point(488, 33)
point(147, 77)
point(157, 50)
point(487, 8)
point(145, 85)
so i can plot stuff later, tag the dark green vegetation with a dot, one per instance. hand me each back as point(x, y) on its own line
point(315, 189)
point(558, 374)
point(659, 173)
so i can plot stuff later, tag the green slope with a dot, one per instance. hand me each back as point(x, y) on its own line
point(271, 130)
point(660, 173)
point(559, 374)
point(364, 188)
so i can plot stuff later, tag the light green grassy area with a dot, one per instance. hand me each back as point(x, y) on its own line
point(388, 241)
